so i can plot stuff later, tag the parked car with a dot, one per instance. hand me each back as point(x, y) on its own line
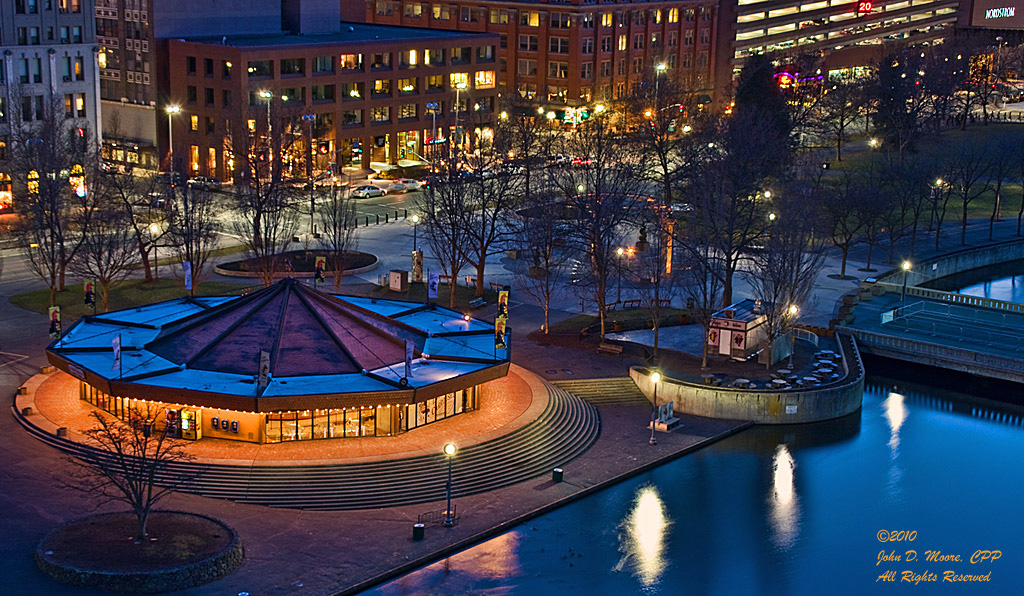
point(204, 182)
point(365, 191)
point(557, 161)
point(581, 161)
point(410, 184)
point(395, 186)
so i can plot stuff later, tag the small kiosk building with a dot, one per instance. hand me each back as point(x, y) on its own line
point(737, 330)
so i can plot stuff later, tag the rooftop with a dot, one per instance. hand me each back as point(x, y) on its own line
point(317, 345)
point(349, 33)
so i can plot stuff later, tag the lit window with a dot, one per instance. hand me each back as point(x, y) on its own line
point(457, 79)
point(484, 79)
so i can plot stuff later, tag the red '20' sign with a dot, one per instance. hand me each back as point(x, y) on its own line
point(864, 7)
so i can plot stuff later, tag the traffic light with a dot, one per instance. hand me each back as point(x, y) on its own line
point(331, 167)
point(324, 147)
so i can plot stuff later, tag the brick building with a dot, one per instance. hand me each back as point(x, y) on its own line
point(360, 96)
point(577, 51)
point(48, 54)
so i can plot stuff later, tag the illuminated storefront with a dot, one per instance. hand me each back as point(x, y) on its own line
point(285, 363)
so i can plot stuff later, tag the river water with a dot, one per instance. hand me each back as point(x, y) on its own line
point(782, 510)
point(795, 510)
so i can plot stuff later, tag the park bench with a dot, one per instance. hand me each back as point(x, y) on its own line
point(477, 302)
point(634, 303)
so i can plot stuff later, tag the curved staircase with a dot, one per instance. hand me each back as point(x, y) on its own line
point(566, 428)
point(606, 392)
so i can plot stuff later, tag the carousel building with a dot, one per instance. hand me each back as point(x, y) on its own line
point(285, 363)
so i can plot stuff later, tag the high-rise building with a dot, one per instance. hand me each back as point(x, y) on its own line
point(847, 35)
point(49, 57)
point(576, 51)
point(132, 36)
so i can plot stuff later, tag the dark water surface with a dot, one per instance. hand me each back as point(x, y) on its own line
point(783, 510)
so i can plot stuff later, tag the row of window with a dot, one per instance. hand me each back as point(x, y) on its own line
point(560, 70)
point(560, 45)
point(482, 79)
point(556, 93)
point(296, 67)
point(32, 6)
point(531, 18)
point(29, 36)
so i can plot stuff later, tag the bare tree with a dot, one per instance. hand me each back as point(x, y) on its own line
point(134, 455)
point(783, 274)
point(840, 209)
point(444, 210)
point(653, 265)
point(968, 168)
point(601, 197)
point(268, 217)
point(701, 279)
point(107, 252)
point(492, 194)
point(1005, 146)
point(193, 228)
point(53, 163)
point(841, 104)
point(338, 221)
point(539, 238)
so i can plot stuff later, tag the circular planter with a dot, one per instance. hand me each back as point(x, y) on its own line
point(95, 563)
point(239, 268)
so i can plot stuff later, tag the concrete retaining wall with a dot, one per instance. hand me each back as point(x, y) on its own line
point(958, 262)
point(761, 407)
point(296, 274)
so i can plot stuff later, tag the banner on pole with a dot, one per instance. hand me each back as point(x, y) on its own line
point(319, 268)
point(499, 332)
point(54, 322)
point(89, 287)
point(116, 345)
point(409, 353)
point(503, 302)
point(264, 368)
point(187, 266)
point(433, 280)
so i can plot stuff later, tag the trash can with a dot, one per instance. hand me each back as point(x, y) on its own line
point(556, 475)
point(62, 431)
point(418, 531)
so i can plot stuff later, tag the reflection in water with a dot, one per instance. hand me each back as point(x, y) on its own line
point(485, 570)
point(785, 505)
point(895, 414)
point(644, 538)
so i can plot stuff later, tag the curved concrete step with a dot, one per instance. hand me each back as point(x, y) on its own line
point(606, 392)
point(566, 428)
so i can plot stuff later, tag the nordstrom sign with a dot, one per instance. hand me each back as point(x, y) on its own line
point(999, 13)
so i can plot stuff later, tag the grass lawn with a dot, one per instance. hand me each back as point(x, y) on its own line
point(128, 293)
point(217, 252)
point(629, 317)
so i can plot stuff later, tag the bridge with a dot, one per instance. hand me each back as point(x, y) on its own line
point(981, 336)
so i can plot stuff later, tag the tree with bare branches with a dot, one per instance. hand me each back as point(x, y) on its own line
point(132, 456)
point(193, 227)
point(108, 251)
point(538, 237)
point(53, 163)
point(338, 221)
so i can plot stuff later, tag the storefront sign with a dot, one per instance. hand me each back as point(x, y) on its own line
point(997, 14)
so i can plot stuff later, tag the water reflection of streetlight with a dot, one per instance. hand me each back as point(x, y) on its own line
point(644, 539)
point(895, 415)
point(784, 504)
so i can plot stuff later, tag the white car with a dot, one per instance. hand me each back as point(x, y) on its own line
point(367, 190)
point(410, 184)
point(395, 186)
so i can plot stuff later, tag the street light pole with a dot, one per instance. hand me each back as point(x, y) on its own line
point(793, 309)
point(655, 377)
point(415, 222)
point(458, 89)
point(619, 252)
point(171, 110)
point(903, 293)
point(449, 518)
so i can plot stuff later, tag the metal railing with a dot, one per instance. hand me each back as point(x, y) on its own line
point(871, 339)
point(954, 298)
point(805, 335)
point(437, 516)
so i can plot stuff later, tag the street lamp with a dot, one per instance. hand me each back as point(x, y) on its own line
point(458, 90)
point(655, 377)
point(449, 452)
point(267, 95)
point(171, 110)
point(903, 294)
point(415, 222)
point(154, 230)
point(793, 309)
point(620, 252)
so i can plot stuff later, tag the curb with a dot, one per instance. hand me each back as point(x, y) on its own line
point(146, 582)
point(297, 274)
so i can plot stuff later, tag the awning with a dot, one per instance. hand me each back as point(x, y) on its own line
point(379, 166)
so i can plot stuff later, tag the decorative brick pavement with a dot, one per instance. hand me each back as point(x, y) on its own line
point(505, 405)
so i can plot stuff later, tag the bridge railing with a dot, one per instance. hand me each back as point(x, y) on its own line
point(954, 298)
point(871, 339)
